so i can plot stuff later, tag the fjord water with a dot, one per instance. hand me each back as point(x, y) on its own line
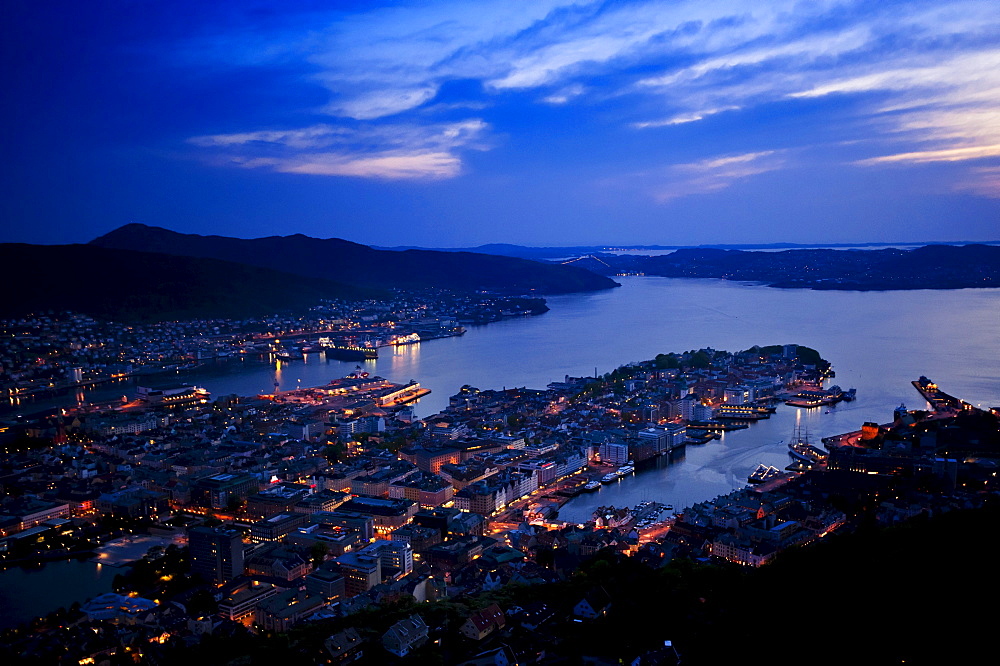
point(877, 341)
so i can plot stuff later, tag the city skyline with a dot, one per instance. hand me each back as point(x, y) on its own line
point(543, 123)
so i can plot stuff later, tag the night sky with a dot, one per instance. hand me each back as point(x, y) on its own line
point(543, 122)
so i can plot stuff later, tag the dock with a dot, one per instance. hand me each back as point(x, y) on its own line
point(938, 399)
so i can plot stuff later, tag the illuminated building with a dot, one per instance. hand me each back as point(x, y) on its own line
point(216, 553)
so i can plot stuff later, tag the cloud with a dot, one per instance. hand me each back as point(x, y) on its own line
point(948, 109)
point(922, 77)
point(713, 174)
point(984, 181)
point(803, 51)
point(389, 60)
point(943, 155)
point(683, 119)
point(386, 166)
point(308, 137)
point(706, 176)
point(401, 56)
point(391, 152)
point(565, 95)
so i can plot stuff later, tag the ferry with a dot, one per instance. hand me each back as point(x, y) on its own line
point(627, 469)
point(345, 352)
point(817, 397)
point(763, 473)
point(591, 486)
point(741, 413)
point(700, 438)
point(409, 339)
point(611, 477)
point(716, 426)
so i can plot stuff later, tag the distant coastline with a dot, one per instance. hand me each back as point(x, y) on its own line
point(874, 266)
point(926, 267)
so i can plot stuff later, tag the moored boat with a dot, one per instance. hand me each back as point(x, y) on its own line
point(763, 473)
point(344, 352)
point(802, 451)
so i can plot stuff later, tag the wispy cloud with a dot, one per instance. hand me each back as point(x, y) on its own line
point(707, 176)
point(948, 109)
point(923, 76)
point(713, 174)
point(565, 94)
point(307, 137)
point(943, 155)
point(682, 119)
point(391, 152)
point(984, 181)
point(388, 166)
point(400, 57)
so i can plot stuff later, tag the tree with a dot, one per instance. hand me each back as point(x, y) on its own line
point(234, 504)
point(666, 361)
point(699, 359)
point(334, 452)
point(318, 553)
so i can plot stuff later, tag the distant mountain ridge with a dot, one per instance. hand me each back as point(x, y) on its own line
point(928, 267)
point(352, 263)
point(148, 286)
point(554, 252)
point(933, 266)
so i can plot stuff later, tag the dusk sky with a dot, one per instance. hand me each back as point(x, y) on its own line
point(540, 123)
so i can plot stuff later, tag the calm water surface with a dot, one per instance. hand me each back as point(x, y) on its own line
point(877, 341)
point(30, 593)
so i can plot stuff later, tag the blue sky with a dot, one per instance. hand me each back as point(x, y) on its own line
point(542, 123)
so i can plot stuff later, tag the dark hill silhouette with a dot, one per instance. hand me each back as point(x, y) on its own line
point(352, 263)
point(126, 285)
point(927, 267)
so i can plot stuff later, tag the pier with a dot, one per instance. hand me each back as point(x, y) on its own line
point(938, 399)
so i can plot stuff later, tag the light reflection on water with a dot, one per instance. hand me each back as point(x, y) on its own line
point(877, 341)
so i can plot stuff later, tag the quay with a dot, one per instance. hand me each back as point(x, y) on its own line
point(938, 399)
